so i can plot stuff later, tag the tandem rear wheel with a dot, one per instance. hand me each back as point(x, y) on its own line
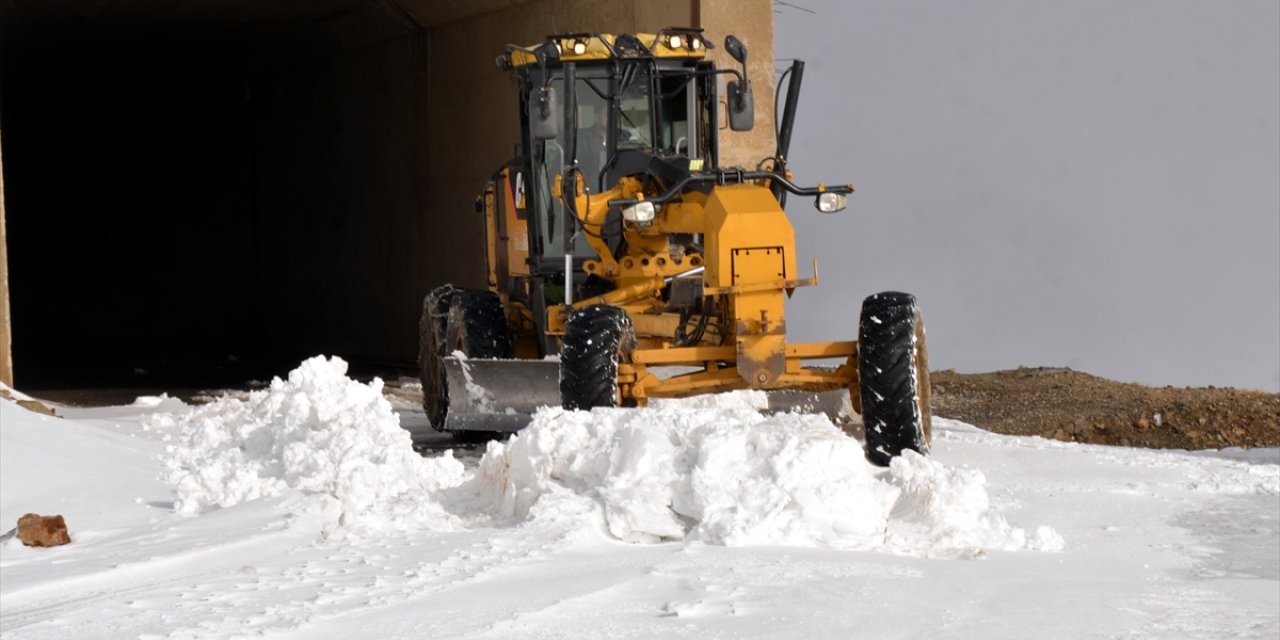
point(472, 322)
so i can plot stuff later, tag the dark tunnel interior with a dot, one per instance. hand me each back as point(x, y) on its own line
point(201, 203)
point(130, 192)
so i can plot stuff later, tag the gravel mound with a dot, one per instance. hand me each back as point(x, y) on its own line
point(1068, 405)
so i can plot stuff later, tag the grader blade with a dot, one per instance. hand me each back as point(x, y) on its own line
point(501, 395)
point(498, 395)
point(833, 404)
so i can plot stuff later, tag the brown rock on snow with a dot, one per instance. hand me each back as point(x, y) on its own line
point(37, 407)
point(42, 531)
point(29, 405)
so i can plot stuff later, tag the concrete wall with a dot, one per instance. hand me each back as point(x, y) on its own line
point(6, 332)
point(752, 22)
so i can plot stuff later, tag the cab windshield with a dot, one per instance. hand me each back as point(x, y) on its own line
point(629, 105)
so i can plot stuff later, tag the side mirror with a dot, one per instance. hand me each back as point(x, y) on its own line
point(544, 113)
point(736, 49)
point(742, 106)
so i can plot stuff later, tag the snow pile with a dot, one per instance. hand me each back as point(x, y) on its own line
point(944, 508)
point(716, 470)
point(712, 469)
point(318, 432)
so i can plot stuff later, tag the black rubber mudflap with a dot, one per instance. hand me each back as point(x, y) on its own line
point(893, 370)
point(595, 339)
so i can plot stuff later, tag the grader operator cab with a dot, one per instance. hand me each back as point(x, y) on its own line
point(617, 242)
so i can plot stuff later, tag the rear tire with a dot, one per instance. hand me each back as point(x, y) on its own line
point(431, 332)
point(596, 339)
point(477, 326)
point(473, 322)
point(893, 371)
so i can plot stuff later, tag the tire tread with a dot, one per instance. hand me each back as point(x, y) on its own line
point(893, 377)
point(471, 321)
point(596, 338)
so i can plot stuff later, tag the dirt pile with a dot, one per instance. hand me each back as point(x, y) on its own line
point(1071, 406)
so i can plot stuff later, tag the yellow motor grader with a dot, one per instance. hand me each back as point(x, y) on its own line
point(624, 263)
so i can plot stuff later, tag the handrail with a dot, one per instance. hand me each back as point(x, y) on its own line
point(732, 177)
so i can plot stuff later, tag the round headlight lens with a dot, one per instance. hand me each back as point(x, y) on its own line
point(831, 202)
point(640, 212)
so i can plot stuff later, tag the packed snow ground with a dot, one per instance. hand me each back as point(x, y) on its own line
point(302, 511)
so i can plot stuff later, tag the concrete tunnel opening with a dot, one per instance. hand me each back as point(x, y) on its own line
point(198, 202)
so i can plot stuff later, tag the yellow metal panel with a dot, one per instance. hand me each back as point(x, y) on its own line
point(753, 265)
point(751, 242)
point(517, 230)
point(743, 216)
point(822, 349)
point(683, 355)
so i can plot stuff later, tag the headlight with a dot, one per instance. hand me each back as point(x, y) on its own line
point(695, 43)
point(675, 42)
point(641, 212)
point(830, 202)
point(579, 47)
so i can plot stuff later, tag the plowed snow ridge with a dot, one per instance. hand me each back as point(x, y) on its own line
point(714, 470)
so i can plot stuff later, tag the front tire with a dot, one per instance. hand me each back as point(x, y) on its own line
point(596, 340)
point(893, 371)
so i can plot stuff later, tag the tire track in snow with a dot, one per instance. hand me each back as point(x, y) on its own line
point(50, 609)
point(329, 581)
point(191, 561)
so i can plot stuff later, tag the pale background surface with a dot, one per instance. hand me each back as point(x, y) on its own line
point(1087, 184)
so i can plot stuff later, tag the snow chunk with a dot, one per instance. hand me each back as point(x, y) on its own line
point(318, 432)
point(161, 402)
point(1236, 478)
point(945, 508)
point(714, 469)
